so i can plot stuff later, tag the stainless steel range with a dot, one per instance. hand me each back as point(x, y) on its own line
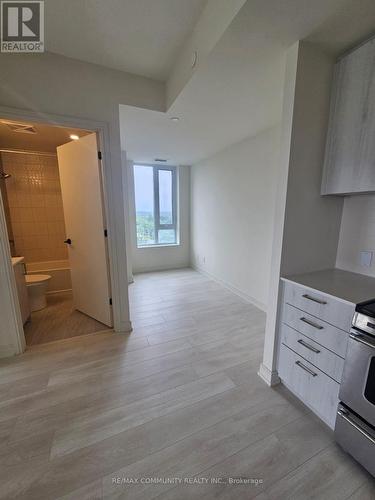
point(355, 421)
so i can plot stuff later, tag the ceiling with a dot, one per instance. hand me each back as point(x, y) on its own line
point(138, 36)
point(215, 110)
point(238, 91)
point(46, 139)
point(351, 23)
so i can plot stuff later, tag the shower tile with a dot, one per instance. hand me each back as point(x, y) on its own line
point(41, 228)
point(17, 229)
point(35, 203)
point(26, 214)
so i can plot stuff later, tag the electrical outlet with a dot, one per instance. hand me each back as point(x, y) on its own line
point(204, 259)
point(366, 258)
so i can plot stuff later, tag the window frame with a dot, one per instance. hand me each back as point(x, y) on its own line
point(157, 225)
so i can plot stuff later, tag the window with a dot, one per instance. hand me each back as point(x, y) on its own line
point(155, 205)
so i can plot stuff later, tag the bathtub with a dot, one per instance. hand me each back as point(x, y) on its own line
point(59, 270)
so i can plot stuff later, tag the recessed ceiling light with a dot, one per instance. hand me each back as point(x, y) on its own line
point(175, 119)
point(74, 137)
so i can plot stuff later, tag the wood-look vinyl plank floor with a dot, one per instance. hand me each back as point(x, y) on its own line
point(179, 397)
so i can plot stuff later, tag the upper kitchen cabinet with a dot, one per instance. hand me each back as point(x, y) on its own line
point(349, 165)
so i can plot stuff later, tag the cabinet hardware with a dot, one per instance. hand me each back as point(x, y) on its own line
point(311, 323)
point(301, 365)
point(308, 346)
point(318, 301)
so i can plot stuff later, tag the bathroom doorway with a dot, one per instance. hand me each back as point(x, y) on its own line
point(51, 187)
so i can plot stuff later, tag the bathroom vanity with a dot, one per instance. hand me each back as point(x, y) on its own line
point(18, 264)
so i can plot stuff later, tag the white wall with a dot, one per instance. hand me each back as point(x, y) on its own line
point(312, 221)
point(232, 206)
point(47, 84)
point(128, 210)
point(168, 257)
point(357, 233)
point(307, 224)
point(267, 369)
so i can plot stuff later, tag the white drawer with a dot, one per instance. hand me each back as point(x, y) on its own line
point(321, 332)
point(325, 307)
point(313, 387)
point(319, 356)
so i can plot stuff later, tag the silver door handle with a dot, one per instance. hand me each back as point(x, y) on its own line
point(308, 346)
point(318, 301)
point(359, 338)
point(344, 415)
point(301, 365)
point(311, 323)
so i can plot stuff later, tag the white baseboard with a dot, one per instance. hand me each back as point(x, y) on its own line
point(7, 351)
point(155, 269)
point(271, 378)
point(232, 288)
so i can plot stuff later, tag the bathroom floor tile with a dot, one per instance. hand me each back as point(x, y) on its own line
point(59, 320)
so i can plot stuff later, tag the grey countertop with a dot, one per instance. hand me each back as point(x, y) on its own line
point(351, 287)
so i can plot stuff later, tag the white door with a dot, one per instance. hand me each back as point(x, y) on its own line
point(84, 223)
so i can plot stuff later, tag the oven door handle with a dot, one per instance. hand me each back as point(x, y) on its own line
point(361, 339)
point(344, 414)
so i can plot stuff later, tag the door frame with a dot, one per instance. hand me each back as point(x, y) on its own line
point(116, 253)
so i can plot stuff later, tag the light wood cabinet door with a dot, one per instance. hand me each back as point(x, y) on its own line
point(318, 391)
point(327, 361)
point(349, 165)
point(319, 331)
point(324, 307)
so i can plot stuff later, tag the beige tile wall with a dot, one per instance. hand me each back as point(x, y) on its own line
point(35, 203)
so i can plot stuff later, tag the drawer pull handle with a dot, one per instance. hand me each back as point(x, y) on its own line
point(311, 323)
point(301, 365)
point(308, 346)
point(344, 414)
point(318, 301)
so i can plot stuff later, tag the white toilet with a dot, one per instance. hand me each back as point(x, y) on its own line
point(36, 289)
